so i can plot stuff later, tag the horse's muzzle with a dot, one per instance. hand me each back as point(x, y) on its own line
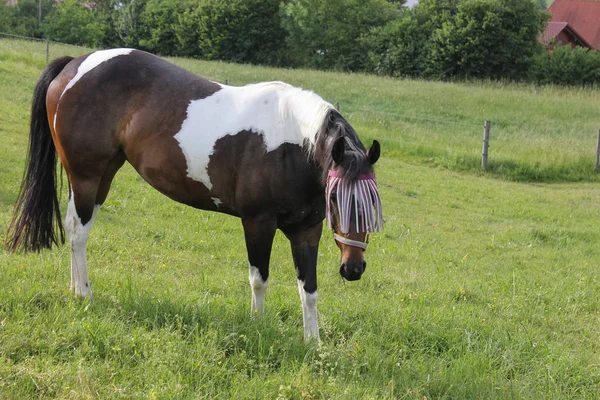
point(353, 270)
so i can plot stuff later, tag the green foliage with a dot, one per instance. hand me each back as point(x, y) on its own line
point(128, 23)
point(400, 47)
point(74, 23)
point(158, 20)
point(186, 30)
point(566, 66)
point(243, 31)
point(23, 17)
point(327, 34)
point(487, 39)
point(459, 39)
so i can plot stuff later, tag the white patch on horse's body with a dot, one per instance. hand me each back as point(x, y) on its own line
point(91, 62)
point(259, 290)
point(217, 201)
point(279, 112)
point(78, 237)
point(309, 312)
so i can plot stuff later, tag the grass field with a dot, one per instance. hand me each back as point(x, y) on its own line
point(482, 286)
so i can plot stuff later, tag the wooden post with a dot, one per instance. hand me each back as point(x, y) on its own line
point(47, 51)
point(598, 153)
point(486, 143)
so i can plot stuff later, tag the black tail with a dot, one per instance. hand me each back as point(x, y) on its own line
point(32, 227)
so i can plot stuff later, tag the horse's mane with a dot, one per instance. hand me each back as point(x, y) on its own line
point(354, 162)
point(321, 124)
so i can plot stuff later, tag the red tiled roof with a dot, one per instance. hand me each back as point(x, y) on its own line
point(552, 31)
point(583, 16)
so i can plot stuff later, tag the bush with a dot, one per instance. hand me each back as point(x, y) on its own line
point(329, 34)
point(487, 39)
point(398, 48)
point(242, 31)
point(23, 17)
point(566, 66)
point(157, 21)
point(74, 23)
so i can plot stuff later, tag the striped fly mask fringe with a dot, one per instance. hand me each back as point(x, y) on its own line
point(361, 195)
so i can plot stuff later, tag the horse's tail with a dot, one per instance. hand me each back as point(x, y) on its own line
point(32, 227)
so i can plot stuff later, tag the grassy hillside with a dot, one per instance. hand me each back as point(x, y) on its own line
point(478, 287)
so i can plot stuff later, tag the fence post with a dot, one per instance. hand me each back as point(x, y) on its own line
point(486, 142)
point(598, 153)
point(47, 51)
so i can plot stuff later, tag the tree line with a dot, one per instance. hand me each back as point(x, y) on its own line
point(436, 39)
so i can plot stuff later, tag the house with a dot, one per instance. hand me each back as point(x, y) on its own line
point(562, 33)
point(582, 18)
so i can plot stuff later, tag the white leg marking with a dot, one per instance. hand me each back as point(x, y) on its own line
point(78, 237)
point(259, 290)
point(309, 312)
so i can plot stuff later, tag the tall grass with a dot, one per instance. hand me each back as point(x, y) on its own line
point(478, 287)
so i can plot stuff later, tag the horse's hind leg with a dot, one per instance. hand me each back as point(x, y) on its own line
point(87, 195)
point(78, 224)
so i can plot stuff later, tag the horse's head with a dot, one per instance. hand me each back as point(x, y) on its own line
point(353, 205)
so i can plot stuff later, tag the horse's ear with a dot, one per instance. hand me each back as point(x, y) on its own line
point(339, 147)
point(374, 152)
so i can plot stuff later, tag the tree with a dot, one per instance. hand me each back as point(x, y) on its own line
point(159, 18)
point(244, 31)
point(74, 23)
point(487, 39)
point(23, 18)
point(128, 23)
point(400, 48)
point(328, 33)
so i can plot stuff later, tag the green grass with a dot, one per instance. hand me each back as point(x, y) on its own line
point(479, 287)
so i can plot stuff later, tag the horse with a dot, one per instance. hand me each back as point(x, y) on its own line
point(273, 155)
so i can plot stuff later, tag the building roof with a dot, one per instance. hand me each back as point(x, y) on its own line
point(555, 28)
point(582, 16)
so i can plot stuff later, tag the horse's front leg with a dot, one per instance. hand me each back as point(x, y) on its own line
point(305, 246)
point(259, 234)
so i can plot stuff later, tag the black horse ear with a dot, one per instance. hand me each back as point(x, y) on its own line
point(337, 152)
point(374, 152)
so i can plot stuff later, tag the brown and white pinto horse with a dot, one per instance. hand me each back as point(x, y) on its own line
point(276, 156)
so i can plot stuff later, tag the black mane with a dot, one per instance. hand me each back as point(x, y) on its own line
point(354, 162)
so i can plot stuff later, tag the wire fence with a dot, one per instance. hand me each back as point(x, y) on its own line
point(47, 43)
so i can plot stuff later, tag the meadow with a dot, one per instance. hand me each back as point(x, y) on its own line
point(483, 285)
